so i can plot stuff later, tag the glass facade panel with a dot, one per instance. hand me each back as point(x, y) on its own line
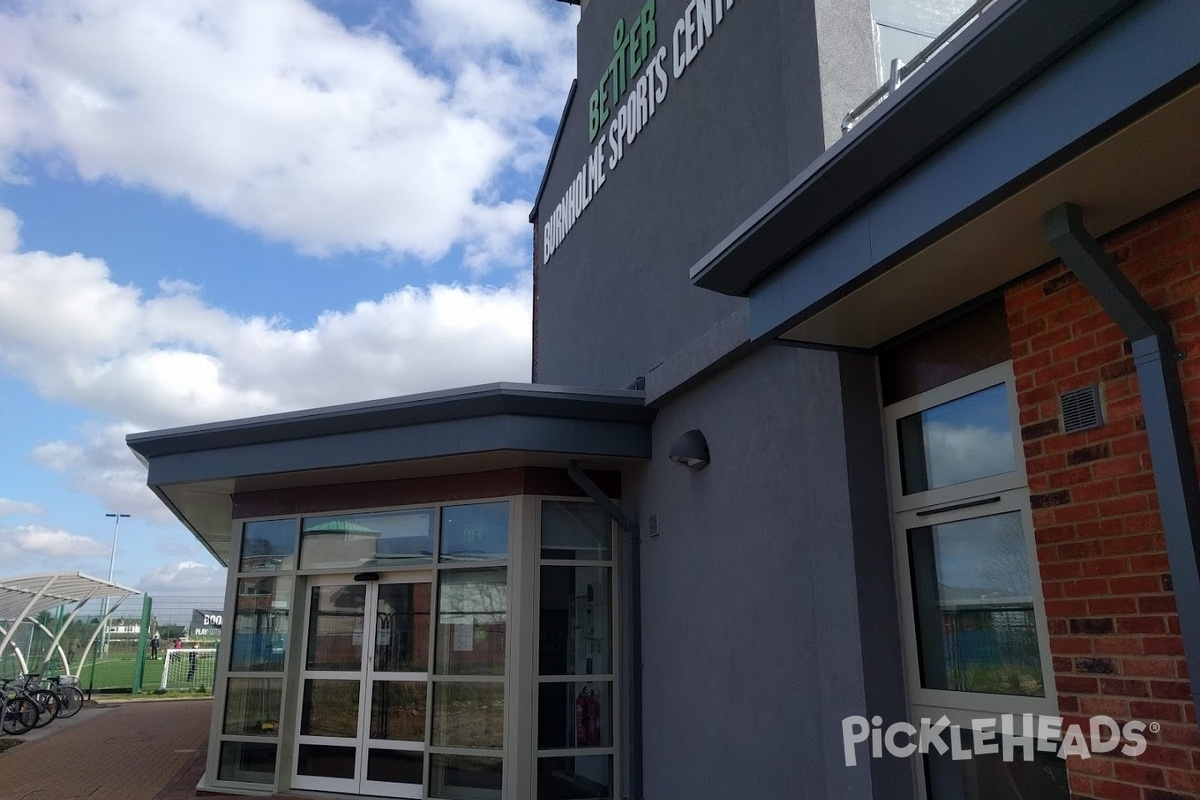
point(402, 628)
point(906, 27)
point(395, 766)
point(389, 539)
point(324, 761)
point(574, 778)
point(574, 715)
point(472, 618)
point(476, 532)
point(976, 622)
point(335, 627)
point(398, 711)
point(988, 776)
point(268, 546)
point(575, 636)
point(575, 531)
point(468, 715)
point(330, 708)
point(247, 762)
point(465, 777)
point(963, 440)
point(260, 624)
point(252, 706)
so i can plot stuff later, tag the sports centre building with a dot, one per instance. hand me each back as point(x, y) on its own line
point(865, 392)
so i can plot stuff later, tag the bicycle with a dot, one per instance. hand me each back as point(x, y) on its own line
point(70, 698)
point(18, 714)
point(47, 702)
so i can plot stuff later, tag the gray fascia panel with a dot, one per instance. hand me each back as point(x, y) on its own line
point(411, 443)
point(995, 55)
point(455, 404)
point(1062, 113)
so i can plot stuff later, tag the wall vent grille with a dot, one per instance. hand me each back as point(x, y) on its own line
point(654, 524)
point(1081, 409)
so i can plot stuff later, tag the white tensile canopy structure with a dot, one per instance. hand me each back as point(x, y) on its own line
point(23, 598)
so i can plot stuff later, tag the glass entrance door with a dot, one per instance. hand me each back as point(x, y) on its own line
point(364, 686)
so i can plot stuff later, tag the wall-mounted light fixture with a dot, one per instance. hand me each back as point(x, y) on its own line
point(690, 450)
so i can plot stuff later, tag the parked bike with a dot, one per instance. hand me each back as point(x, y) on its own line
point(18, 713)
point(46, 702)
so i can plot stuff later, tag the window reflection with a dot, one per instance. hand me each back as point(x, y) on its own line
point(268, 546)
point(574, 715)
point(906, 27)
point(252, 706)
point(260, 624)
point(402, 628)
point(574, 778)
point(390, 539)
point(472, 620)
point(249, 762)
point(575, 531)
point(398, 710)
point(976, 622)
point(989, 776)
point(465, 777)
point(335, 627)
point(959, 441)
point(330, 708)
point(476, 532)
point(468, 714)
point(574, 635)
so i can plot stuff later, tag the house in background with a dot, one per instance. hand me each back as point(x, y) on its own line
point(848, 401)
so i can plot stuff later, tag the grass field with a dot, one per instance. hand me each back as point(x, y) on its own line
point(117, 673)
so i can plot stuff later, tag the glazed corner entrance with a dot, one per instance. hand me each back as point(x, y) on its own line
point(364, 685)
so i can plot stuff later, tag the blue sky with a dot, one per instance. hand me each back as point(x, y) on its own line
point(213, 210)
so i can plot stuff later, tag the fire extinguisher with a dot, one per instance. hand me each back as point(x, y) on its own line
point(593, 739)
point(583, 708)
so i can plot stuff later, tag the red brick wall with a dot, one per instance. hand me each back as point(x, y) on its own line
point(1114, 631)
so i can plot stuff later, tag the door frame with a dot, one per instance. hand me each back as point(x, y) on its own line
point(1004, 493)
point(366, 675)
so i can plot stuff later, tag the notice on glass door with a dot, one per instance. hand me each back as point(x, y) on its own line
point(464, 637)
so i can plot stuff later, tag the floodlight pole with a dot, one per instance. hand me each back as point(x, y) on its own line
point(112, 562)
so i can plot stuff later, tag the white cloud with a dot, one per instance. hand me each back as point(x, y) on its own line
point(33, 548)
point(14, 507)
point(101, 465)
point(966, 452)
point(273, 115)
point(171, 359)
point(184, 577)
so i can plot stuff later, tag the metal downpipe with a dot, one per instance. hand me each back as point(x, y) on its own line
point(1171, 453)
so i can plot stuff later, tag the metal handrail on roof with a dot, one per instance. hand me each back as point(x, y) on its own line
point(901, 71)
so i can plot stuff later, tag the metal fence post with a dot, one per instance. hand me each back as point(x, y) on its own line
point(139, 665)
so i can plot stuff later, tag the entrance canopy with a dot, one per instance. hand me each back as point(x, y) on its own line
point(198, 471)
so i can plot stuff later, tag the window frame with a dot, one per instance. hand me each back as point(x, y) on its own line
point(942, 505)
point(520, 679)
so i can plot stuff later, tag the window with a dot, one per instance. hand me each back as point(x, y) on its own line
point(974, 622)
point(576, 717)
point(456, 650)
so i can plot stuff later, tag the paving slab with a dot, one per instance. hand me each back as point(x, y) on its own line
point(126, 751)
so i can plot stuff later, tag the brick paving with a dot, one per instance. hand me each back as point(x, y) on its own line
point(136, 751)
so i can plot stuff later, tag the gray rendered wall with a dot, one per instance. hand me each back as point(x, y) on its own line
point(760, 101)
point(768, 607)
